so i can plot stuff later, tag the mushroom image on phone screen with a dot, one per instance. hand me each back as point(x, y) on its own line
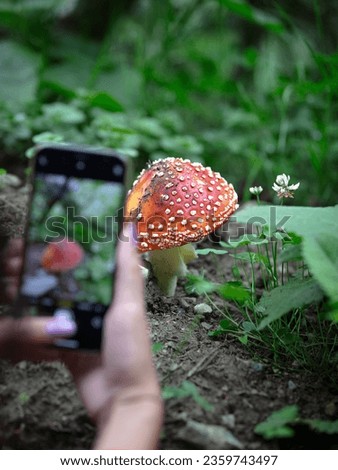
point(60, 258)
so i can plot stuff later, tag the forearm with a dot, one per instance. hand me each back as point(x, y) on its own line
point(133, 424)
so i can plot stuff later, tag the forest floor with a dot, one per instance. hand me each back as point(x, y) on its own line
point(40, 407)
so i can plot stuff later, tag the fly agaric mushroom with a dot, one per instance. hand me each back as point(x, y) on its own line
point(175, 202)
point(61, 256)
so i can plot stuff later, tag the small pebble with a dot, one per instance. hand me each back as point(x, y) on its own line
point(184, 303)
point(10, 180)
point(291, 385)
point(202, 309)
point(257, 366)
point(228, 421)
point(330, 408)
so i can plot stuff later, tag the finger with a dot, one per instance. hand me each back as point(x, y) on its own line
point(11, 289)
point(13, 266)
point(11, 262)
point(30, 339)
point(42, 329)
point(15, 247)
point(129, 284)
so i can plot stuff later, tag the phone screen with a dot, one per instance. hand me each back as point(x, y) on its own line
point(71, 238)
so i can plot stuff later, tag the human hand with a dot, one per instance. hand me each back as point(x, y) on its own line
point(123, 392)
point(119, 387)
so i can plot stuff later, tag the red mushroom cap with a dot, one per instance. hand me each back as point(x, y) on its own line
point(175, 202)
point(61, 256)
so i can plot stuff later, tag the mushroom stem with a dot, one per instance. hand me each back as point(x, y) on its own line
point(168, 265)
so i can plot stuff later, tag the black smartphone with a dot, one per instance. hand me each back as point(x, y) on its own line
point(76, 208)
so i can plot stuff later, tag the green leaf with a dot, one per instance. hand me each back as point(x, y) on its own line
point(291, 253)
point(321, 255)
point(181, 144)
point(239, 7)
point(249, 13)
point(47, 137)
point(62, 113)
point(225, 326)
point(244, 339)
point(296, 219)
point(246, 256)
point(327, 427)
point(18, 74)
point(125, 83)
point(332, 316)
point(234, 291)
point(283, 299)
point(275, 426)
point(248, 326)
point(199, 285)
point(157, 347)
point(207, 251)
point(187, 389)
point(247, 239)
point(105, 101)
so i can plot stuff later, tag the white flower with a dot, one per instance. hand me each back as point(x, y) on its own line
point(256, 190)
point(282, 180)
point(282, 186)
point(293, 187)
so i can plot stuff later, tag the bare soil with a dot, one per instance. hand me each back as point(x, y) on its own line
point(40, 407)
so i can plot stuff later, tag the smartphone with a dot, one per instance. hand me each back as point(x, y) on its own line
point(76, 208)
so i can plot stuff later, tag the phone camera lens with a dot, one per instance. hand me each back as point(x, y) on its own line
point(117, 170)
point(96, 322)
point(80, 165)
point(43, 161)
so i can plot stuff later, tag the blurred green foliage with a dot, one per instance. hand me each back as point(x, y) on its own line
point(249, 88)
